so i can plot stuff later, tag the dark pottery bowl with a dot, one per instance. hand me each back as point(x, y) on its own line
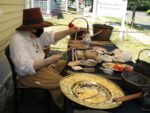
point(135, 82)
point(145, 102)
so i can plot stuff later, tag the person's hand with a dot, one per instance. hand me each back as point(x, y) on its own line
point(54, 58)
point(74, 29)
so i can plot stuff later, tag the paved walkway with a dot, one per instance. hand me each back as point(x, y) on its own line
point(142, 22)
point(140, 37)
point(141, 19)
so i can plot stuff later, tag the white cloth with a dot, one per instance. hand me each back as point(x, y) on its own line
point(87, 38)
point(23, 52)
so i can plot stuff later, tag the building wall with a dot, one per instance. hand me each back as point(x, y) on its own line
point(10, 18)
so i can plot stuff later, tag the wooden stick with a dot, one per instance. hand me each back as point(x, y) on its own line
point(75, 37)
point(128, 97)
point(75, 51)
point(72, 54)
point(72, 41)
point(101, 43)
point(97, 33)
point(76, 56)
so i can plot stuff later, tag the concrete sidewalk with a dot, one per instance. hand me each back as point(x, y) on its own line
point(145, 39)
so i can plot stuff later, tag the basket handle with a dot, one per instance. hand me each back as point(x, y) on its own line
point(141, 52)
point(83, 19)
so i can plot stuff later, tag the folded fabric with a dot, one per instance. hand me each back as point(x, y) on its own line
point(124, 56)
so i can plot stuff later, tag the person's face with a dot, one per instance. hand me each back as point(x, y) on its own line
point(38, 32)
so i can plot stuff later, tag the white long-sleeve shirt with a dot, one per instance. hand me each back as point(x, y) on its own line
point(23, 51)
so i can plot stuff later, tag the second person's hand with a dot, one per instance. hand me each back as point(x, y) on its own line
point(54, 58)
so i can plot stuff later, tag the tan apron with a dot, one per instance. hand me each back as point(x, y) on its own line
point(47, 78)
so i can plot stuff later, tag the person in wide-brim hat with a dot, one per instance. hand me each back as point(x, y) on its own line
point(32, 19)
point(26, 51)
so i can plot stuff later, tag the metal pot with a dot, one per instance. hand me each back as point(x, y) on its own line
point(139, 85)
point(135, 82)
point(145, 102)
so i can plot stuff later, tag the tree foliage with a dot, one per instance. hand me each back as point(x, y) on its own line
point(72, 0)
point(143, 5)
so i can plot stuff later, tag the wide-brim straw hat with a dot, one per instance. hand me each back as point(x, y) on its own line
point(32, 19)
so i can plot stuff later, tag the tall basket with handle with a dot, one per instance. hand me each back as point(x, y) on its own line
point(82, 30)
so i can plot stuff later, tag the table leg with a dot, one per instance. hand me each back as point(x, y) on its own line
point(68, 108)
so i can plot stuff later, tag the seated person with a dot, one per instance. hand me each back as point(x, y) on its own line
point(28, 57)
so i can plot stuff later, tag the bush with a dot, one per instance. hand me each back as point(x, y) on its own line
point(148, 12)
point(142, 5)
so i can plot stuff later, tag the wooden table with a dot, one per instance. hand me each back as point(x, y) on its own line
point(132, 106)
